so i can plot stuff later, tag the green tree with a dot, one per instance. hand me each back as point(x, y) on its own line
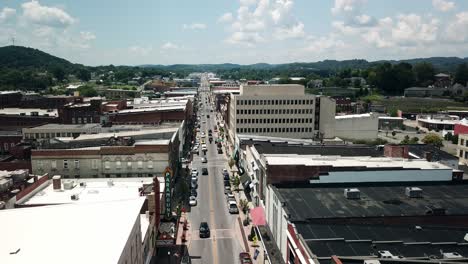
point(461, 74)
point(231, 163)
point(455, 139)
point(84, 75)
point(357, 83)
point(414, 140)
point(393, 133)
point(424, 73)
point(58, 73)
point(87, 91)
point(406, 140)
point(433, 139)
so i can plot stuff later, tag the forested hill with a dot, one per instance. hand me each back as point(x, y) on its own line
point(23, 58)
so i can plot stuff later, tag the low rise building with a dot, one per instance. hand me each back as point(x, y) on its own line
point(357, 127)
point(390, 122)
point(438, 122)
point(18, 118)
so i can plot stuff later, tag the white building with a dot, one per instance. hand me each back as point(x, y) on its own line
point(109, 232)
point(363, 126)
point(281, 111)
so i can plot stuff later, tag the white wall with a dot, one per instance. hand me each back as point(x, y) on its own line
point(365, 128)
point(133, 253)
point(276, 220)
point(385, 176)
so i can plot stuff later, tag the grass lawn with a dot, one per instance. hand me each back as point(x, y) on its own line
point(420, 105)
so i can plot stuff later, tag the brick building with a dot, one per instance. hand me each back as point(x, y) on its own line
point(18, 118)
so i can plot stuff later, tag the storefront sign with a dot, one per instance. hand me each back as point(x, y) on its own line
point(167, 192)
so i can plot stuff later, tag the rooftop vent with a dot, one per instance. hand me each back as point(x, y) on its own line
point(352, 193)
point(413, 192)
point(57, 182)
point(68, 185)
point(385, 254)
point(83, 184)
point(371, 261)
point(110, 183)
point(451, 255)
point(75, 197)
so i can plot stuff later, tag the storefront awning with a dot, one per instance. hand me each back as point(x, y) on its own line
point(258, 216)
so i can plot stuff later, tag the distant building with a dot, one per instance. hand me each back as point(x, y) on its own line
point(437, 121)
point(424, 92)
point(281, 111)
point(18, 118)
point(442, 80)
point(390, 122)
point(315, 83)
point(357, 127)
point(10, 98)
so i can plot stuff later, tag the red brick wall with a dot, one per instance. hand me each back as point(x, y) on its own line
point(113, 150)
point(17, 121)
point(31, 187)
point(291, 173)
point(147, 117)
point(10, 142)
point(396, 151)
point(16, 165)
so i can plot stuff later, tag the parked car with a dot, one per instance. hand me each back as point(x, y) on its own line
point(192, 201)
point(233, 207)
point(226, 177)
point(225, 172)
point(204, 160)
point(227, 182)
point(226, 189)
point(220, 151)
point(194, 184)
point(230, 197)
point(193, 192)
point(204, 171)
point(195, 171)
point(204, 230)
point(244, 258)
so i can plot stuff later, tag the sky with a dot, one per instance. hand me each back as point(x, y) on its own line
point(102, 32)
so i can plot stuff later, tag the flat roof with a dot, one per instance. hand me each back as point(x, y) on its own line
point(96, 190)
point(439, 121)
point(353, 116)
point(28, 111)
point(125, 133)
point(292, 147)
point(325, 240)
point(377, 200)
point(391, 118)
point(354, 161)
point(71, 233)
point(67, 126)
point(152, 109)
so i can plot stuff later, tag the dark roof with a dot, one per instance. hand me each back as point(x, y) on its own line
point(367, 240)
point(319, 202)
point(342, 150)
point(437, 154)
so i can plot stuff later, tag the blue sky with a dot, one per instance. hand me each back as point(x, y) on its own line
point(236, 31)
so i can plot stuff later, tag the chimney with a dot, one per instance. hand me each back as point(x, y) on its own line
point(428, 155)
point(57, 182)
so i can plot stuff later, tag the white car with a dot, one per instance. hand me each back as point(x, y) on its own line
point(203, 147)
point(194, 171)
point(233, 209)
point(202, 135)
point(230, 197)
point(192, 201)
point(194, 178)
point(204, 160)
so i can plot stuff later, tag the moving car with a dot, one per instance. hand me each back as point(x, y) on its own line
point(194, 184)
point(204, 160)
point(220, 151)
point(205, 171)
point(204, 230)
point(244, 258)
point(233, 207)
point(225, 172)
point(192, 201)
point(230, 197)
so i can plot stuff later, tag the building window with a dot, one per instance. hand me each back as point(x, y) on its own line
point(460, 154)
point(107, 165)
point(40, 164)
point(118, 164)
point(65, 164)
point(140, 164)
point(94, 164)
point(129, 164)
point(77, 164)
point(462, 142)
point(53, 164)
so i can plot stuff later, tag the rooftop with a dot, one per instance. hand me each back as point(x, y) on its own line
point(67, 126)
point(94, 190)
point(28, 111)
point(322, 201)
point(75, 233)
point(366, 240)
point(368, 115)
point(368, 163)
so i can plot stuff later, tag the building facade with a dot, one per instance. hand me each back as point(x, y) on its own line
point(358, 127)
point(281, 111)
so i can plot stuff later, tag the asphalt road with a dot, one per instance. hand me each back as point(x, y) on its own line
point(223, 246)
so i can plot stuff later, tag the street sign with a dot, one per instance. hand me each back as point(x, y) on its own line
point(167, 192)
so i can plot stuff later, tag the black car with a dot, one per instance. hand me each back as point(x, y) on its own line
point(227, 182)
point(204, 171)
point(204, 230)
point(193, 192)
point(220, 151)
point(226, 177)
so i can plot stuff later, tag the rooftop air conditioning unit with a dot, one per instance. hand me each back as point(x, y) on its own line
point(352, 193)
point(451, 255)
point(83, 184)
point(75, 197)
point(413, 192)
point(68, 185)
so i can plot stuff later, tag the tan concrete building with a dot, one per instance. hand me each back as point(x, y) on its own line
point(281, 111)
point(463, 149)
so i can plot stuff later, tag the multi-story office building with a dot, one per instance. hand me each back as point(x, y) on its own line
point(281, 111)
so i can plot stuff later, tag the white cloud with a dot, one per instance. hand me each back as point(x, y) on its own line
point(86, 35)
point(225, 18)
point(247, 2)
point(169, 45)
point(411, 30)
point(326, 43)
point(346, 6)
point(36, 13)
point(443, 5)
point(140, 50)
point(295, 31)
point(194, 26)
point(6, 14)
point(457, 30)
point(248, 39)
